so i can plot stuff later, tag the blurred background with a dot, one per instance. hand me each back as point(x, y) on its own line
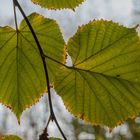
point(34, 119)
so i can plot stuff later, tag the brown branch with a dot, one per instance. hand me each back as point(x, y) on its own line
point(53, 117)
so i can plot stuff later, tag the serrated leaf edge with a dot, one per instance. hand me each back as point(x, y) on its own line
point(84, 118)
point(81, 116)
point(8, 106)
point(53, 8)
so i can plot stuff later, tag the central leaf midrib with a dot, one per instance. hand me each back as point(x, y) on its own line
point(105, 75)
point(96, 96)
point(17, 58)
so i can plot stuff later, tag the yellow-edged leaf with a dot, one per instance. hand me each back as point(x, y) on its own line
point(103, 85)
point(22, 78)
point(58, 4)
point(52, 138)
point(10, 137)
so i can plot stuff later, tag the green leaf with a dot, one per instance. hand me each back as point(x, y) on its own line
point(10, 137)
point(52, 138)
point(103, 85)
point(58, 4)
point(22, 78)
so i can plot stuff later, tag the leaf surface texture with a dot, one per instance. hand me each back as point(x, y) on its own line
point(10, 137)
point(22, 78)
point(103, 85)
point(58, 4)
point(52, 138)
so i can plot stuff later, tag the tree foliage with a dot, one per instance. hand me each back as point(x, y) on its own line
point(102, 86)
point(10, 137)
point(22, 80)
point(55, 4)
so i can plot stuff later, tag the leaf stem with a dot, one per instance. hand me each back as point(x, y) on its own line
point(15, 16)
point(53, 117)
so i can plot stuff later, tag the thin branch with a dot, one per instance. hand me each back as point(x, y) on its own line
point(44, 65)
point(44, 135)
point(48, 123)
point(15, 17)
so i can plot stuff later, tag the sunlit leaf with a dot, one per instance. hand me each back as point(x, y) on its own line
point(58, 4)
point(22, 78)
point(103, 85)
point(10, 137)
point(51, 138)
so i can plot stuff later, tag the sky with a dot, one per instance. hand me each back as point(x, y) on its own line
point(116, 10)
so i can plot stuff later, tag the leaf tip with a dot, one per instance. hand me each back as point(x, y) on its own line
point(136, 26)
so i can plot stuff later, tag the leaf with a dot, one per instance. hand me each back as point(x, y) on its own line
point(52, 138)
point(10, 137)
point(22, 78)
point(58, 4)
point(103, 85)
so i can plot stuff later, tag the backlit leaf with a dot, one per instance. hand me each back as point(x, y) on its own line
point(103, 85)
point(22, 78)
point(10, 137)
point(58, 4)
point(51, 138)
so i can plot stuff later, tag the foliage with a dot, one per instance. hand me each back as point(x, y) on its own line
point(103, 85)
point(61, 4)
point(51, 138)
point(22, 75)
point(10, 137)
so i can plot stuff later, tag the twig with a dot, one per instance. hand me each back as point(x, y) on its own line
point(53, 117)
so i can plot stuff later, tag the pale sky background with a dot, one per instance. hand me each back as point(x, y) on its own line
point(117, 10)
